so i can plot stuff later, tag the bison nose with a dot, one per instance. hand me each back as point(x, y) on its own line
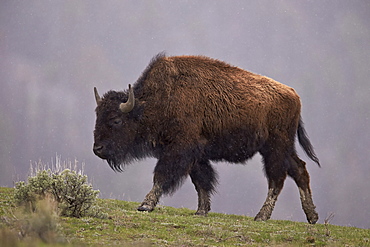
point(98, 149)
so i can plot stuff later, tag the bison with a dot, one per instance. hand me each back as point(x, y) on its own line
point(187, 111)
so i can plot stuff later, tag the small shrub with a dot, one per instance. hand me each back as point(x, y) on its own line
point(42, 223)
point(36, 189)
point(33, 228)
point(8, 238)
point(75, 197)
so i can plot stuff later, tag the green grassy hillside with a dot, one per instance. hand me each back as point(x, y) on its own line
point(166, 226)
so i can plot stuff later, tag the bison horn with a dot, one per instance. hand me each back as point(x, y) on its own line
point(129, 105)
point(97, 97)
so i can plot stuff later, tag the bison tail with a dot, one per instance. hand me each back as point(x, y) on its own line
point(305, 143)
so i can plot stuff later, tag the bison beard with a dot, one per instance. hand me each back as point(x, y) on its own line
point(189, 110)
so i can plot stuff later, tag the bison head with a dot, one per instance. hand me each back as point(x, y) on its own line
point(115, 127)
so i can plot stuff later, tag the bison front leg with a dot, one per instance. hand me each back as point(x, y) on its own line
point(204, 179)
point(151, 199)
point(169, 173)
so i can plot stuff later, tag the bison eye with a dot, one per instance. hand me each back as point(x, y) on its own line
point(116, 121)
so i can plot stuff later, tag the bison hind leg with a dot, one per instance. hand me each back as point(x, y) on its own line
point(204, 178)
point(275, 167)
point(297, 170)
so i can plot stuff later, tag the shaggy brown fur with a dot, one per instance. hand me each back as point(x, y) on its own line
point(190, 110)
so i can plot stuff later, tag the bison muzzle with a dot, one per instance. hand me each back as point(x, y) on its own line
point(187, 111)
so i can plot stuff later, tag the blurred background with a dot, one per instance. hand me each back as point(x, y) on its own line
point(52, 54)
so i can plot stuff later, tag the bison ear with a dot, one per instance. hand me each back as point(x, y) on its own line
point(129, 105)
point(97, 97)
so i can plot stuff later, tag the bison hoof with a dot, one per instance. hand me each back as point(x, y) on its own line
point(145, 208)
point(201, 213)
point(312, 218)
point(261, 217)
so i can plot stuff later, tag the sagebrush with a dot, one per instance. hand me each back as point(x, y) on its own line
point(75, 197)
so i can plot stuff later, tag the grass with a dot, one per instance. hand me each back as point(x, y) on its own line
point(167, 226)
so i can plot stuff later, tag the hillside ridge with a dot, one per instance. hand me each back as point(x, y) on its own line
point(168, 226)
